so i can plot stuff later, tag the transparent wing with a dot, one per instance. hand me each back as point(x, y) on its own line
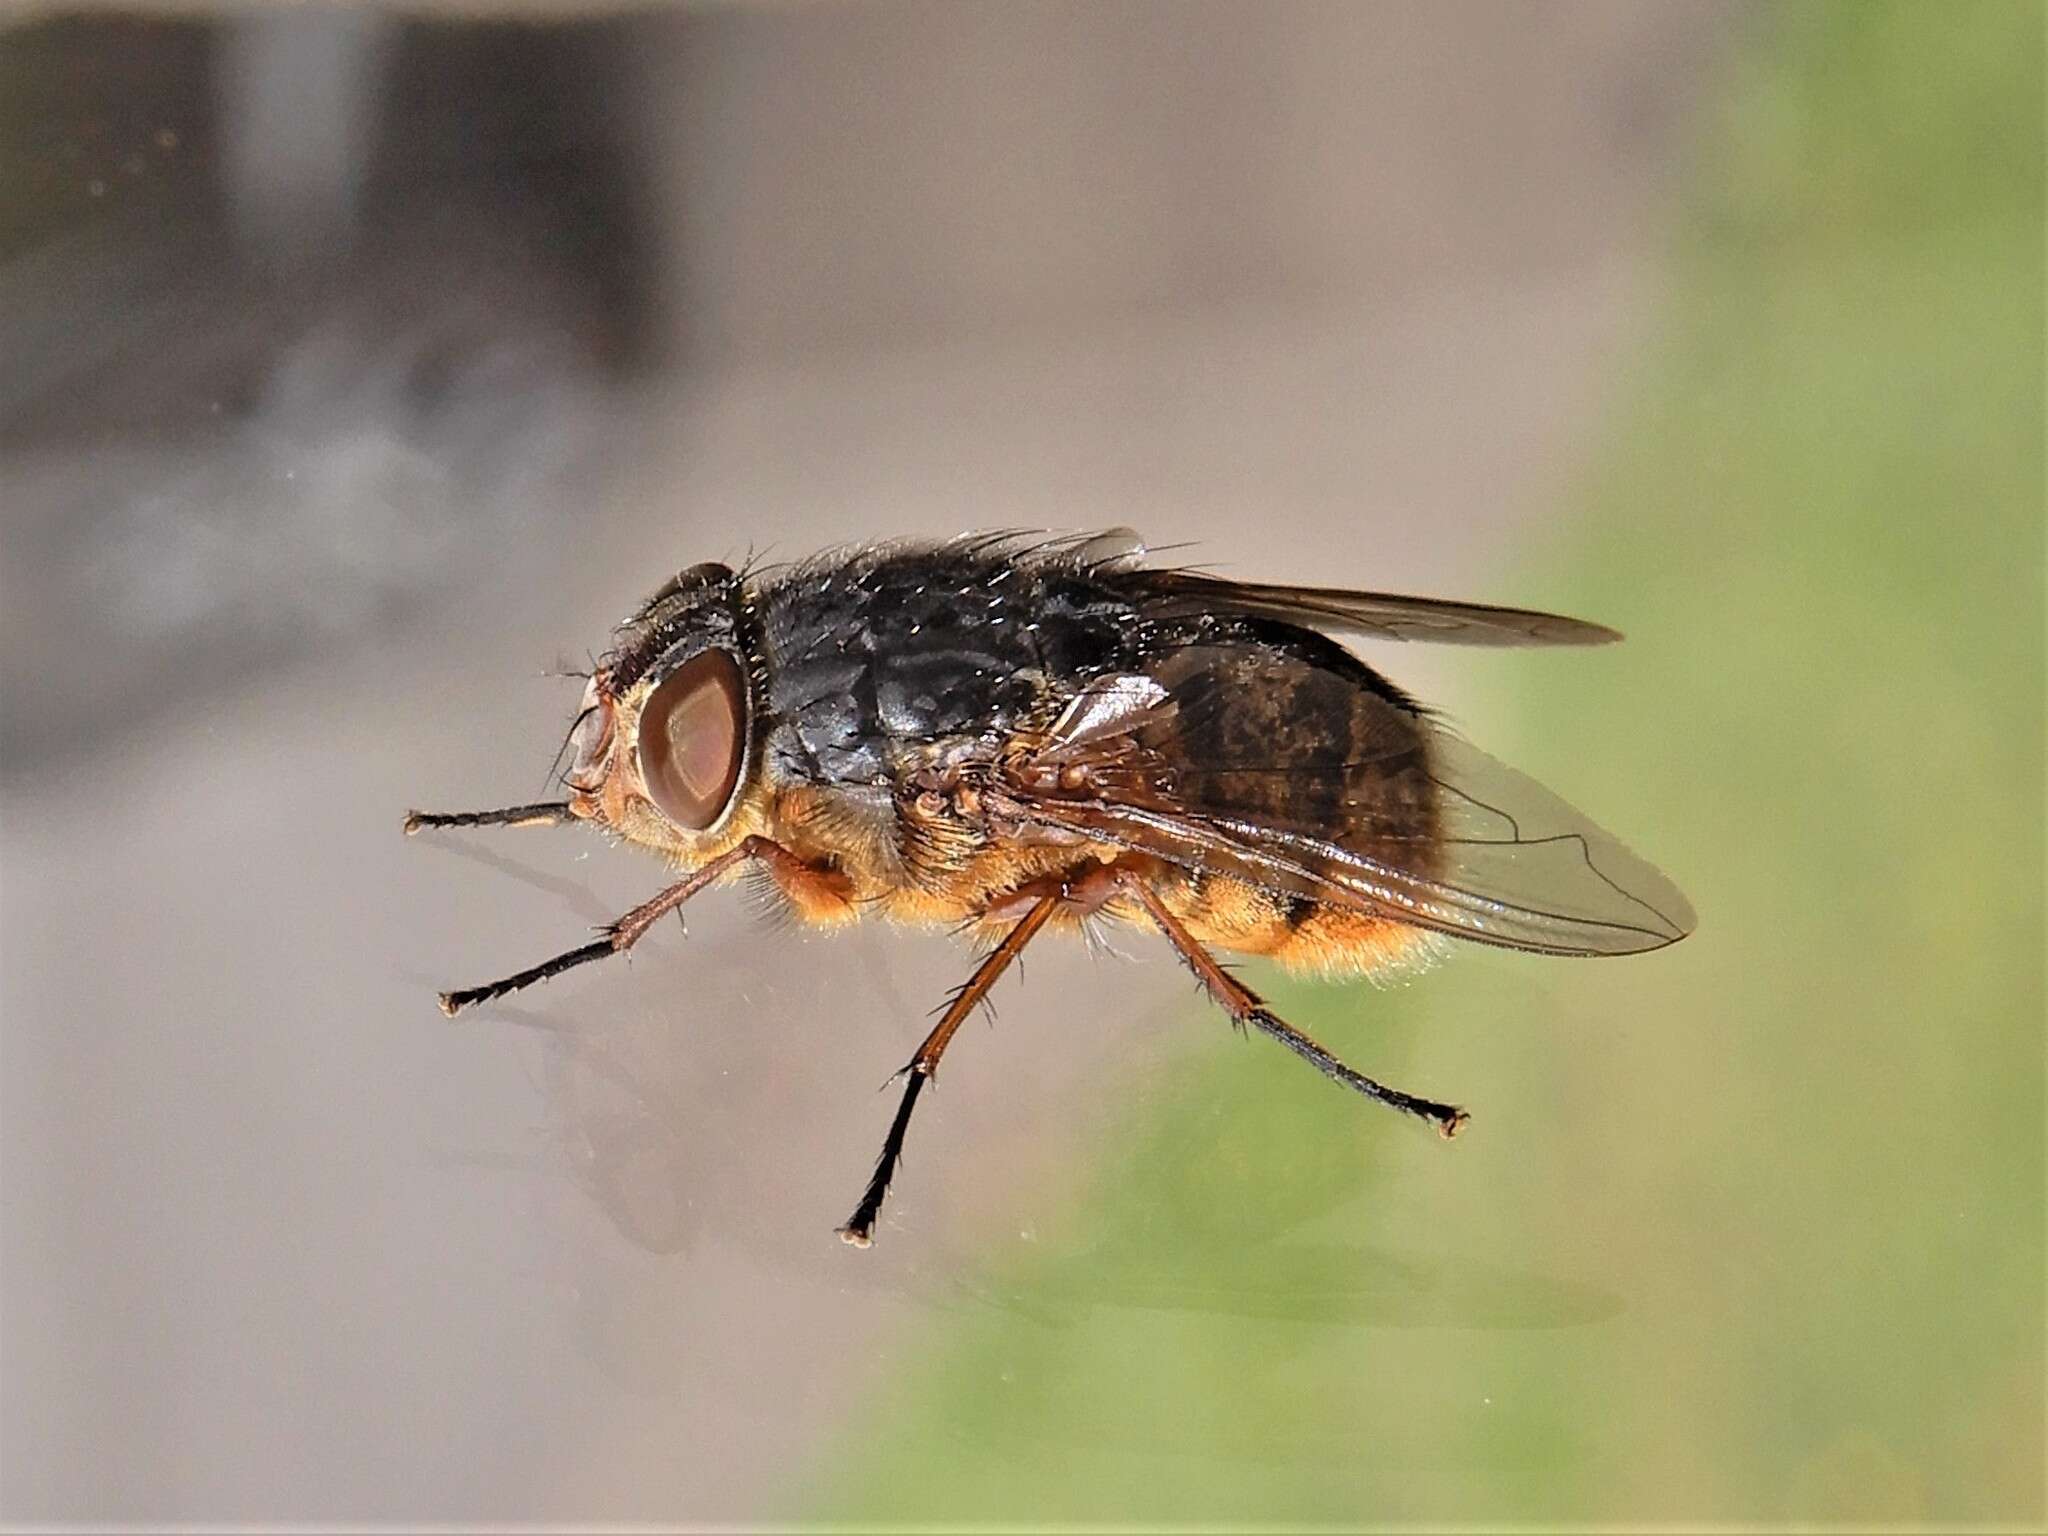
point(1378, 615)
point(1249, 763)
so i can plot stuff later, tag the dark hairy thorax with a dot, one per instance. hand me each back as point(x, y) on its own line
point(871, 660)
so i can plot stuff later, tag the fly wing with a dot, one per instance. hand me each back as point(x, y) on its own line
point(1303, 779)
point(1377, 615)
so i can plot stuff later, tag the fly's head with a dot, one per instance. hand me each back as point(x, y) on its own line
point(664, 748)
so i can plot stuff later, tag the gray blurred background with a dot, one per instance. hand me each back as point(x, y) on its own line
point(362, 366)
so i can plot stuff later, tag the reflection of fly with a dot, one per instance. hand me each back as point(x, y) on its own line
point(999, 733)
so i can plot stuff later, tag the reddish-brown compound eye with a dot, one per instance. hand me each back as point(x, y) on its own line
point(693, 737)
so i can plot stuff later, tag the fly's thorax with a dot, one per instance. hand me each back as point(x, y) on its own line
point(876, 658)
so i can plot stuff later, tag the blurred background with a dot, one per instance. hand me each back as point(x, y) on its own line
point(363, 365)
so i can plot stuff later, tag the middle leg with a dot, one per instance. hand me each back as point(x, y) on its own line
point(860, 1226)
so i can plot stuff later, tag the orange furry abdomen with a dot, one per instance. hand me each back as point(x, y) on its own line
point(1301, 935)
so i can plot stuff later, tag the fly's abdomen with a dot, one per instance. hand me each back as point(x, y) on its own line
point(1272, 737)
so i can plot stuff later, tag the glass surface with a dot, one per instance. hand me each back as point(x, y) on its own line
point(363, 367)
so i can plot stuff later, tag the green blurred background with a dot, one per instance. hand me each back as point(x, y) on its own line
point(1748, 1231)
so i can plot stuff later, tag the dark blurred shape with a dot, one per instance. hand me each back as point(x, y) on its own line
point(310, 315)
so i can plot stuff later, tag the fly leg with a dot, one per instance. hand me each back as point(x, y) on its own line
point(860, 1226)
point(1247, 1008)
point(546, 813)
point(625, 933)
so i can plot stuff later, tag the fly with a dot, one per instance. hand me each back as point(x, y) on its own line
point(1002, 733)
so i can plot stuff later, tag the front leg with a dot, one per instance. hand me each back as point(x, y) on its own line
point(626, 932)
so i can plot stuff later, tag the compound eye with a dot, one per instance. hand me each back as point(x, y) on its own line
point(693, 735)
